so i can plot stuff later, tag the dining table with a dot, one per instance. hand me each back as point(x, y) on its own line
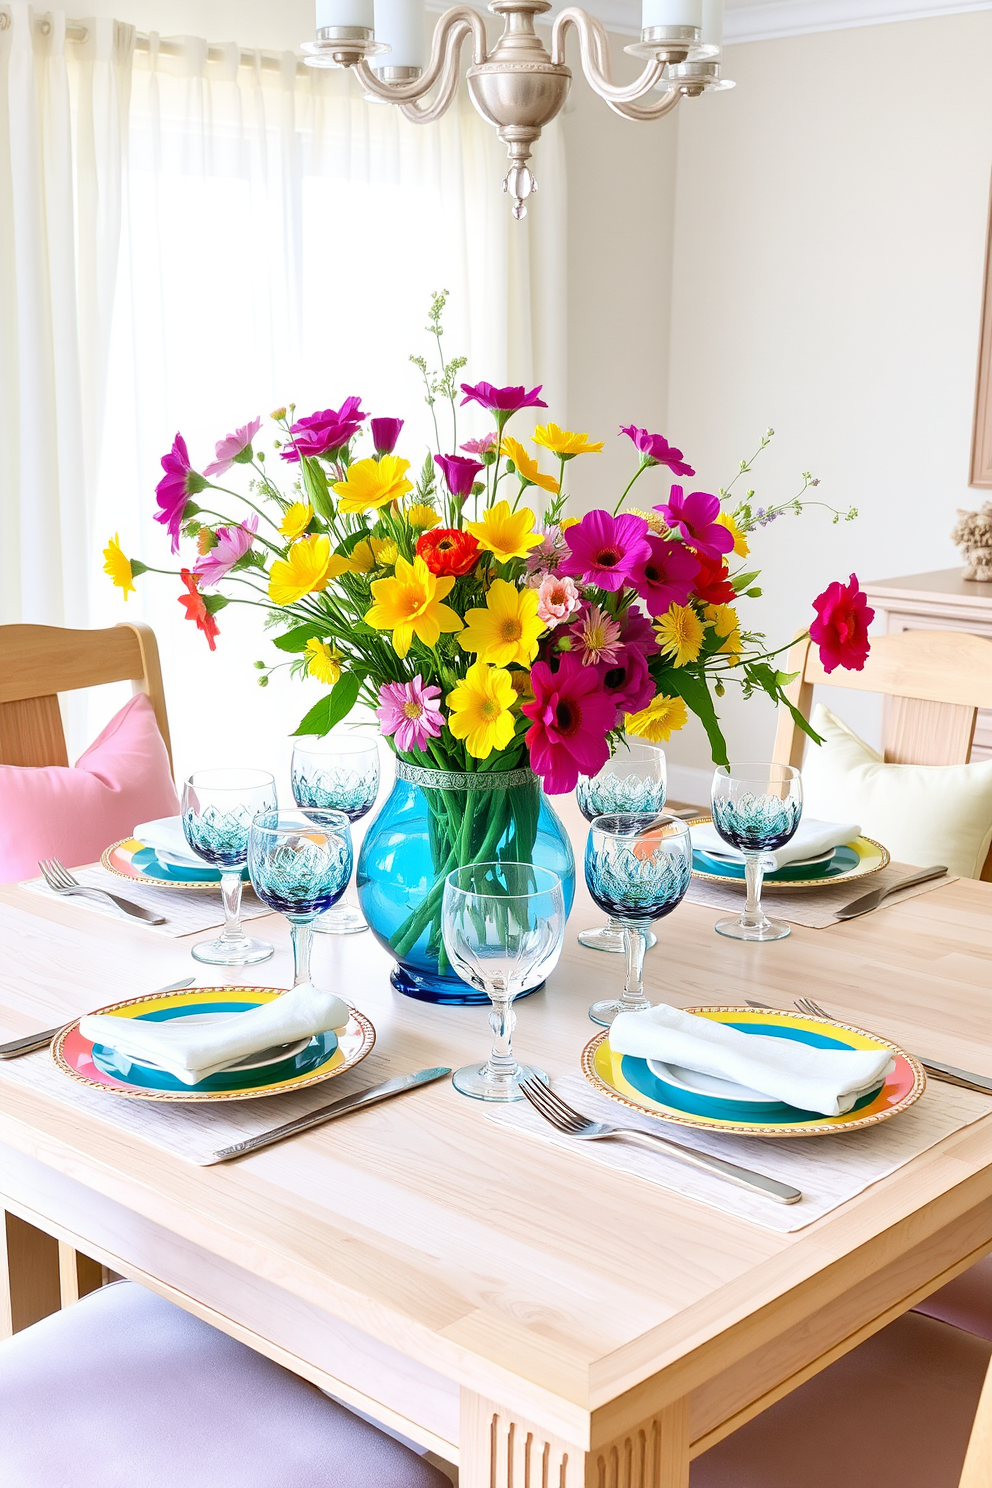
point(512, 1306)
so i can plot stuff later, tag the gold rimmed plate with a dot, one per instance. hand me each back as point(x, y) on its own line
point(847, 864)
point(135, 861)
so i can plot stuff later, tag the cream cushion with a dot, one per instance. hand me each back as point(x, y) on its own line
point(923, 814)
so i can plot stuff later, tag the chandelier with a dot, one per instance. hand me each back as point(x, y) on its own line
point(519, 86)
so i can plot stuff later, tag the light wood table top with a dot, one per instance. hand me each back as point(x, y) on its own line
point(572, 1296)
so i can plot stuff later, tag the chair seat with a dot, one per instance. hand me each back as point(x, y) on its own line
point(125, 1390)
point(898, 1409)
point(966, 1301)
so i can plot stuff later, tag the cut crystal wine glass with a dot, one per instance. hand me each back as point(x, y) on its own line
point(756, 808)
point(300, 863)
point(219, 807)
point(338, 773)
point(635, 779)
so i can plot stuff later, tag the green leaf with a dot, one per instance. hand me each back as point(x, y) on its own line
point(741, 581)
point(693, 691)
point(331, 709)
point(296, 639)
point(215, 603)
point(316, 487)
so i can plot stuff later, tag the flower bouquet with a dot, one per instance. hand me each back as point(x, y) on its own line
point(503, 645)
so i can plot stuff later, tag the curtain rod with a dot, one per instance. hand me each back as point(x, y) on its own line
point(78, 31)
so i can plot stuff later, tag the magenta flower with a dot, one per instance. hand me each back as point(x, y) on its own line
point(325, 433)
point(627, 681)
point(637, 630)
point(459, 473)
point(232, 545)
point(572, 717)
point(483, 446)
point(655, 449)
point(840, 629)
point(666, 577)
point(174, 490)
point(604, 550)
point(385, 433)
point(236, 447)
point(501, 402)
point(695, 517)
point(557, 598)
point(409, 710)
point(547, 556)
point(598, 635)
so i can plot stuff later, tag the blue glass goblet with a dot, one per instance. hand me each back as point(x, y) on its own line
point(756, 808)
point(635, 779)
point(638, 868)
point(339, 773)
point(300, 863)
point(219, 807)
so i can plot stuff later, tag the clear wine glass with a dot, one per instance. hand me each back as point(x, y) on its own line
point(503, 926)
point(635, 779)
point(300, 863)
point(756, 808)
point(338, 773)
point(638, 868)
point(219, 807)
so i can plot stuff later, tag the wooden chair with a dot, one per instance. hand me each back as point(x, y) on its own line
point(934, 682)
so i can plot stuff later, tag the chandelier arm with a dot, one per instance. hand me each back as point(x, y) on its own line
point(645, 113)
point(449, 33)
point(426, 113)
point(594, 50)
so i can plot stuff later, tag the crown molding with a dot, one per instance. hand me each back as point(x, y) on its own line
point(771, 19)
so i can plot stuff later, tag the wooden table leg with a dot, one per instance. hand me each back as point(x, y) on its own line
point(78, 1274)
point(29, 1275)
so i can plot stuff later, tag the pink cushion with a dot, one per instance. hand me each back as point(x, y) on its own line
point(966, 1301)
point(73, 814)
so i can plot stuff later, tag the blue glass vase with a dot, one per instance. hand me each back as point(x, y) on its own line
point(435, 821)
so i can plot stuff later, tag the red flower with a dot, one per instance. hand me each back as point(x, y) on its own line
point(448, 552)
point(840, 629)
point(712, 584)
point(196, 608)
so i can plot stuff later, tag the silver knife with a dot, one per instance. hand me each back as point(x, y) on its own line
point(368, 1097)
point(955, 1076)
point(871, 901)
point(40, 1040)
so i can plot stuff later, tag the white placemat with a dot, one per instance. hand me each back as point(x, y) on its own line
point(828, 1170)
point(814, 908)
point(186, 911)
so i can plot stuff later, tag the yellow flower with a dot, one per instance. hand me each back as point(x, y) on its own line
point(118, 567)
point(373, 552)
point(421, 516)
point(507, 629)
point(373, 483)
point(324, 662)
point(522, 686)
point(563, 442)
point(662, 717)
point(504, 533)
point(410, 605)
point(655, 520)
point(385, 551)
point(680, 633)
point(740, 541)
point(296, 519)
point(567, 522)
point(527, 467)
point(479, 709)
point(723, 618)
point(307, 569)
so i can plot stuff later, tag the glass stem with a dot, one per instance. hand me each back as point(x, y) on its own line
point(502, 1065)
point(634, 944)
point(230, 888)
point(302, 936)
point(753, 916)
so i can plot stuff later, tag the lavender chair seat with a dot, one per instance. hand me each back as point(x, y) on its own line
point(899, 1409)
point(966, 1301)
point(124, 1390)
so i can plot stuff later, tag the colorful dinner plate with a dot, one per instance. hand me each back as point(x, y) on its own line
point(130, 858)
point(319, 1058)
point(650, 1089)
point(856, 860)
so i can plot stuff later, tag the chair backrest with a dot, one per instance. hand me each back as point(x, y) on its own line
point(977, 1472)
point(37, 662)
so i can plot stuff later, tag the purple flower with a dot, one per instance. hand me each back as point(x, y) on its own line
point(604, 550)
point(655, 450)
point(627, 681)
point(695, 517)
point(665, 578)
point(483, 446)
point(459, 473)
point(327, 432)
point(233, 447)
point(232, 545)
point(598, 635)
point(501, 402)
point(410, 711)
point(385, 433)
point(637, 630)
point(177, 485)
point(546, 557)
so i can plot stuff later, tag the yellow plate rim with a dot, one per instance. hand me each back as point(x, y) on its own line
point(702, 1124)
point(155, 883)
point(852, 875)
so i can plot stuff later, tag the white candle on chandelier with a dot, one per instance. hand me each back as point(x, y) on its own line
point(671, 13)
point(402, 25)
point(344, 13)
point(713, 22)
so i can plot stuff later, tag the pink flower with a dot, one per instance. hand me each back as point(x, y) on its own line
point(665, 578)
point(177, 485)
point(557, 599)
point(459, 473)
point(409, 710)
point(385, 433)
point(546, 557)
point(598, 635)
point(840, 629)
point(655, 450)
point(572, 717)
point(480, 446)
point(325, 433)
point(232, 544)
point(235, 445)
point(637, 630)
point(501, 402)
point(695, 517)
point(604, 550)
point(627, 681)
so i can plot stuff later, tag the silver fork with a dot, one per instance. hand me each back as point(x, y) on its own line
point(574, 1124)
point(948, 1072)
point(61, 881)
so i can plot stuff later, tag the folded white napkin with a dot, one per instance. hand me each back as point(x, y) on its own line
point(827, 1080)
point(168, 839)
point(812, 839)
point(195, 1048)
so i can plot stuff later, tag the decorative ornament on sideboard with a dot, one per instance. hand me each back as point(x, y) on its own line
point(517, 85)
point(973, 535)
